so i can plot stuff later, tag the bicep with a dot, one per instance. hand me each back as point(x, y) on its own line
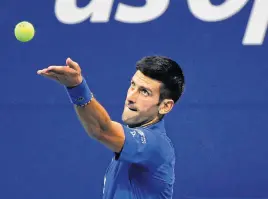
point(113, 137)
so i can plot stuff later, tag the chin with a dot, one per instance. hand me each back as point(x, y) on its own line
point(127, 121)
point(131, 122)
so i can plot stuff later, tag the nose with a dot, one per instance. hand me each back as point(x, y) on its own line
point(132, 96)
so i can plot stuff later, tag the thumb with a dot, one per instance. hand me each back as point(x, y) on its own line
point(72, 64)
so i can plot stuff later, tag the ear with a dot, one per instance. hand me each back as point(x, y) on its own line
point(165, 106)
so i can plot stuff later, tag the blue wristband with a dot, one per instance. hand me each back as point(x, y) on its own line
point(80, 95)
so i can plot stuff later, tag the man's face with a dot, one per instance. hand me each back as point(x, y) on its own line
point(141, 105)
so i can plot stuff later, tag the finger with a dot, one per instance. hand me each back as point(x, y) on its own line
point(50, 75)
point(72, 64)
point(42, 71)
point(58, 69)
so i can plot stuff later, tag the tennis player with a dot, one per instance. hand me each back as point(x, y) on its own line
point(144, 157)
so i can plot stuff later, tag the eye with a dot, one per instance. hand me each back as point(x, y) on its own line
point(144, 92)
point(132, 84)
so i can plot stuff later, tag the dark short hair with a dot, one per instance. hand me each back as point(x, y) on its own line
point(166, 71)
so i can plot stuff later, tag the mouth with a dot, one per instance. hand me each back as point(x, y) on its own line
point(132, 109)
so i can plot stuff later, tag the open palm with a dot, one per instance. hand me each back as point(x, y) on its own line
point(69, 75)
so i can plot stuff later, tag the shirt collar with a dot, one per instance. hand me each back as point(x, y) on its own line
point(159, 126)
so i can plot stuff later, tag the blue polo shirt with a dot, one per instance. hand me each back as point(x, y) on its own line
point(145, 167)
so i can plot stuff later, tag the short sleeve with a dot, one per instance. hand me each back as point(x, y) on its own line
point(143, 146)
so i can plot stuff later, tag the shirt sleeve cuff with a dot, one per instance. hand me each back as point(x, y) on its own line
point(128, 148)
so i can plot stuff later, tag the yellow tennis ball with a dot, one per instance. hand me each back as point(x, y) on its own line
point(24, 31)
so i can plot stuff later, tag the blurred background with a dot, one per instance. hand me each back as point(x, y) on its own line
point(219, 127)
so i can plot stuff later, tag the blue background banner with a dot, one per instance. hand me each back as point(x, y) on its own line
point(219, 127)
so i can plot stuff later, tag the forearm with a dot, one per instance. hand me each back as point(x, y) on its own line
point(94, 118)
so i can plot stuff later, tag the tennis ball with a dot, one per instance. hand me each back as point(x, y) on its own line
point(24, 31)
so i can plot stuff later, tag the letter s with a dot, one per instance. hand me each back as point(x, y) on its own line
point(206, 11)
point(67, 11)
point(150, 11)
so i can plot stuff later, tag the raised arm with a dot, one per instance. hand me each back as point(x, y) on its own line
point(94, 118)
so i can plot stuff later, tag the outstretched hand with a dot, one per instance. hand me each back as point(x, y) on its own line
point(69, 75)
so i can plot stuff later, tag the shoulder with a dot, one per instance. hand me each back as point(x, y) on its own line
point(162, 141)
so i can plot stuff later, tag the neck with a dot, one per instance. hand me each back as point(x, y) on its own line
point(145, 123)
point(153, 121)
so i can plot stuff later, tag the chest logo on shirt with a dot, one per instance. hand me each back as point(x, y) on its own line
point(133, 133)
point(141, 135)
